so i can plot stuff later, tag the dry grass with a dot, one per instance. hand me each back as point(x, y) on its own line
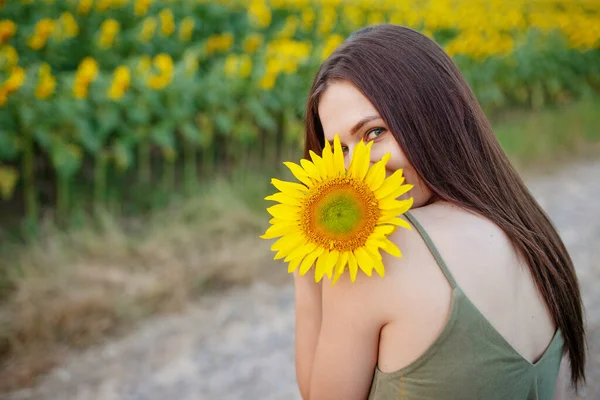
point(74, 289)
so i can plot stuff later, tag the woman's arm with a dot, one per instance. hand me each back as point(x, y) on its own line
point(308, 324)
point(346, 353)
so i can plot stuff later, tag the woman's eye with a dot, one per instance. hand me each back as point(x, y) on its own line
point(374, 133)
point(344, 149)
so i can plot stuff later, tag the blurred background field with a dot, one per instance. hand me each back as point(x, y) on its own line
point(137, 139)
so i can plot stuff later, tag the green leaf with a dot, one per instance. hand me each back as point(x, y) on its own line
point(190, 132)
point(223, 123)
point(163, 134)
point(88, 139)
point(66, 158)
point(9, 149)
point(138, 115)
point(123, 154)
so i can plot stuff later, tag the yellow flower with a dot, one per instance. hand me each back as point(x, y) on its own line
point(267, 82)
point(84, 6)
point(252, 42)
point(43, 30)
point(46, 82)
point(108, 31)
point(221, 42)
point(331, 44)
point(327, 20)
point(120, 83)
point(148, 29)
point(15, 80)
point(103, 5)
point(186, 29)
point(7, 30)
point(86, 74)
point(308, 19)
point(335, 217)
point(290, 27)
point(238, 65)
point(8, 57)
point(3, 96)
point(88, 69)
point(141, 7)
point(259, 13)
point(167, 22)
point(69, 24)
point(164, 63)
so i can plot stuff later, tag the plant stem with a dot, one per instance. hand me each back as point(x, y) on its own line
point(99, 181)
point(31, 201)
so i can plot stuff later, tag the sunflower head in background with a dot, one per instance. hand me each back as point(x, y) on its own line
point(337, 218)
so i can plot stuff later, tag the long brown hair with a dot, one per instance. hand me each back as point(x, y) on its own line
point(436, 119)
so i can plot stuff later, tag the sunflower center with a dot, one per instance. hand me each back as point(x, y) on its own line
point(340, 214)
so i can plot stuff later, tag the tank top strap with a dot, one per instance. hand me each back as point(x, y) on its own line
point(434, 251)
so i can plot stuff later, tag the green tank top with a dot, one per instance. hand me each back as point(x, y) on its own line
point(470, 359)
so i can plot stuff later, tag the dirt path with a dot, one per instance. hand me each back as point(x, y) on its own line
point(239, 344)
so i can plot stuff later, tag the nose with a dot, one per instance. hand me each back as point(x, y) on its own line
point(348, 157)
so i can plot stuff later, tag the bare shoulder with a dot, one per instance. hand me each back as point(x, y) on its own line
point(415, 278)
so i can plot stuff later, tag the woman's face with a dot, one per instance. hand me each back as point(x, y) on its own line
point(345, 111)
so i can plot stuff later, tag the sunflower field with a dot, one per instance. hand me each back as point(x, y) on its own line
point(91, 90)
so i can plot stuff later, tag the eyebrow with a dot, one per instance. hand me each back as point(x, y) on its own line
point(362, 122)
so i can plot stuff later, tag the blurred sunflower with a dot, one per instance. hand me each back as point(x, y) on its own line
point(335, 217)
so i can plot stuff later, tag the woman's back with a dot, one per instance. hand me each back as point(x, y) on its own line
point(468, 325)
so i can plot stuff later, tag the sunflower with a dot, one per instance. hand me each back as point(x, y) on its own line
point(337, 218)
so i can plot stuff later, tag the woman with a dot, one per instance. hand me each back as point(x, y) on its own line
point(485, 300)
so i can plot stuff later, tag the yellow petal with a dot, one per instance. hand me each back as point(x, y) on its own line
point(336, 276)
point(291, 189)
point(352, 266)
point(293, 265)
point(275, 231)
point(395, 221)
point(338, 156)
point(390, 184)
point(332, 259)
point(364, 261)
point(379, 268)
point(392, 203)
point(283, 199)
point(299, 173)
point(309, 260)
point(390, 247)
point(311, 170)
point(340, 265)
point(372, 250)
point(376, 174)
point(398, 192)
point(284, 212)
point(397, 211)
point(328, 159)
point(319, 164)
point(321, 264)
point(360, 160)
point(287, 244)
point(301, 251)
point(384, 230)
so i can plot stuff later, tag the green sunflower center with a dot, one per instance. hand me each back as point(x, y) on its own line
point(340, 214)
